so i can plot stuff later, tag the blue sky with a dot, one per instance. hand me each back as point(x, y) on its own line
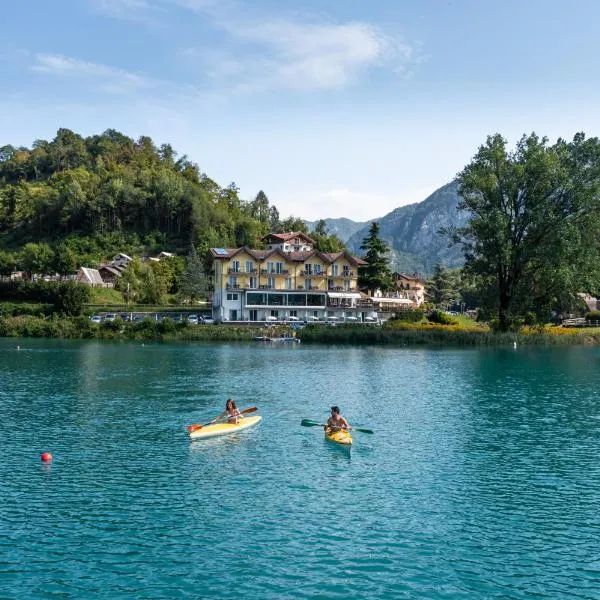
point(335, 108)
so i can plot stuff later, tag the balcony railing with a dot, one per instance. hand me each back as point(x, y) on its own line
point(241, 271)
point(268, 272)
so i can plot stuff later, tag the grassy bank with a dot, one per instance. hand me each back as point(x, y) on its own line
point(446, 335)
point(393, 334)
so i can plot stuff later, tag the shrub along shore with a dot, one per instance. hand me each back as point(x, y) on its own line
point(393, 333)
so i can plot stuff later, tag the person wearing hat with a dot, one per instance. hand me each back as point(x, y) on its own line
point(336, 421)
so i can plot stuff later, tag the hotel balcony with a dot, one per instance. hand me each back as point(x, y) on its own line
point(232, 271)
point(272, 273)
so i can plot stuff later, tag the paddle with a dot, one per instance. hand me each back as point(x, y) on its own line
point(196, 426)
point(309, 423)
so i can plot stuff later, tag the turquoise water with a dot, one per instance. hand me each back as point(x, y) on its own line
point(482, 479)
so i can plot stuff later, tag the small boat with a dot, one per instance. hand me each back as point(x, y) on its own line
point(339, 436)
point(218, 429)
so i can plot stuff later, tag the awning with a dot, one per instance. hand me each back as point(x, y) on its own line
point(355, 295)
point(392, 300)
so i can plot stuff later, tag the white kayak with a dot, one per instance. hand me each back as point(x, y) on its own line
point(218, 429)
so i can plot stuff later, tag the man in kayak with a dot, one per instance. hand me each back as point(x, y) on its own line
point(336, 421)
point(231, 413)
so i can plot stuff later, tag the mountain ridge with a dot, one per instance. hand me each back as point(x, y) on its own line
point(412, 232)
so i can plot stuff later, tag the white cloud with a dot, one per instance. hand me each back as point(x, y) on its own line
point(265, 53)
point(107, 78)
point(304, 56)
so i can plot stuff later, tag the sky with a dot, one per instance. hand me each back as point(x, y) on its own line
point(335, 108)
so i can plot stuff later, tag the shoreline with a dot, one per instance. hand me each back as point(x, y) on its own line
point(27, 326)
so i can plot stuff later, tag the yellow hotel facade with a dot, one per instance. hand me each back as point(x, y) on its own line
point(287, 281)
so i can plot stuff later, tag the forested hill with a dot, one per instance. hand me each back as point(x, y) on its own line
point(412, 232)
point(108, 193)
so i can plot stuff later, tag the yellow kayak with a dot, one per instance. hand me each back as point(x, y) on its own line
point(339, 436)
point(218, 429)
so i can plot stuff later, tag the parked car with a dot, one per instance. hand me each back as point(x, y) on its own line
point(96, 319)
point(110, 317)
point(208, 320)
point(192, 319)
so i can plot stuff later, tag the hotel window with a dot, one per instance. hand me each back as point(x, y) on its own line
point(233, 282)
point(308, 284)
point(346, 271)
point(231, 296)
point(270, 267)
point(235, 266)
point(346, 285)
point(308, 269)
point(253, 283)
point(271, 282)
point(253, 314)
point(279, 267)
point(317, 269)
point(249, 266)
point(288, 283)
point(334, 270)
point(293, 313)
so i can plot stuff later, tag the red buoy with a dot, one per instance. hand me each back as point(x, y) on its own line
point(46, 457)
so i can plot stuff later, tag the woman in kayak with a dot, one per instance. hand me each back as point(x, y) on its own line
point(231, 413)
point(336, 421)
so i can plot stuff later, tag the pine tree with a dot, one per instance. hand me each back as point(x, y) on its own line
point(194, 281)
point(440, 288)
point(376, 274)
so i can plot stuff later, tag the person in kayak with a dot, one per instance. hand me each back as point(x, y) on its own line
point(336, 421)
point(231, 413)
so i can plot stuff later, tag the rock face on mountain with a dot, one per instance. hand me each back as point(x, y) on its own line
point(342, 228)
point(412, 232)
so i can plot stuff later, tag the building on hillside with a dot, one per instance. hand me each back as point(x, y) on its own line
point(90, 277)
point(411, 287)
point(288, 281)
point(120, 260)
point(590, 301)
point(160, 256)
point(110, 274)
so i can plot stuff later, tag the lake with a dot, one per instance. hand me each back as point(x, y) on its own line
point(482, 478)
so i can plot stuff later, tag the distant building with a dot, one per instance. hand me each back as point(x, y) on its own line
point(110, 274)
point(89, 277)
point(289, 280)
point(411, 287)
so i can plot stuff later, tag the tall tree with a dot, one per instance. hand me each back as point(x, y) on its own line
point(532, 239)
point(325, 242)
point(440, 289)
point(194, 281)
point(376, 274)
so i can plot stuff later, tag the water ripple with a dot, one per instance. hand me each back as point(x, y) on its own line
point(481, 480)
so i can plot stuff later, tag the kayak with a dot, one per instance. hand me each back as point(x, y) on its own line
point(339, 436)
point(218, 429)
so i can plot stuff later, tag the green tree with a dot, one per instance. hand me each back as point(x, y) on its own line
point(440, 288)
point(65, 260)
point(194, 282)
point(376, 273)
point(130, 283)
point(37, 259)
point(532, 241)
point(325, 242)
point(71, 298)
point(294, 224)
point(8, 262)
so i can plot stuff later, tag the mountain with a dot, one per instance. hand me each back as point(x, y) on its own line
point(342, 228)
point(412, 231)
